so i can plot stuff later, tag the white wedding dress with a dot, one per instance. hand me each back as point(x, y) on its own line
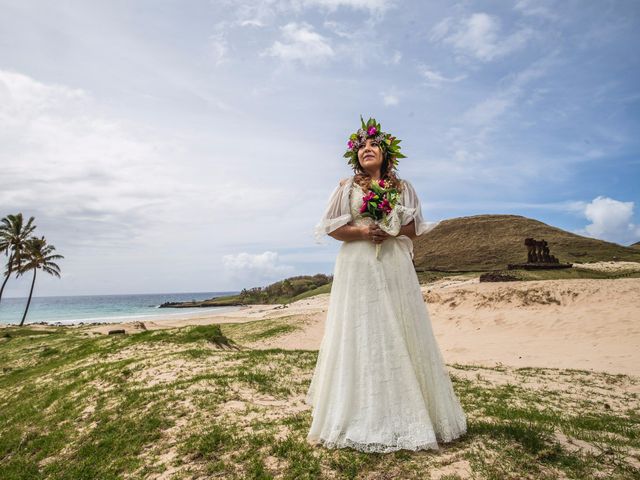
point(380, 383)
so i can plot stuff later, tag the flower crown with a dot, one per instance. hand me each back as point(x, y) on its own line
point(388, 143)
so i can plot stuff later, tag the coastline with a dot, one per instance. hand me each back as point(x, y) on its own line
point(127, 319)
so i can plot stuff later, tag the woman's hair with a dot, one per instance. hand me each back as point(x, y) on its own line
point(363, 179)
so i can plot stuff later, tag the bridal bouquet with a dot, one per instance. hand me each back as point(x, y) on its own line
point(379, 205)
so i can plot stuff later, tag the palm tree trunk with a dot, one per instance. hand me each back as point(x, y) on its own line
point(30, 294)
point(7, 277)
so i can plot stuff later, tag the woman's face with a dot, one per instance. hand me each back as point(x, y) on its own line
point(370, 155)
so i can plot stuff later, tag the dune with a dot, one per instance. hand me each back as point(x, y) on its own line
point(581, 324)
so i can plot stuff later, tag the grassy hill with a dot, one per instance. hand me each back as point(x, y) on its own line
point(283, 291)
point(635, 245)
point(490, 242)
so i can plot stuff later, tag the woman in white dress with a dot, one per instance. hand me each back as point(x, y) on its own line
point(380, 383)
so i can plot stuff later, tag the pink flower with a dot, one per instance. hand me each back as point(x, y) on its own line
point(372, 131)
point(381, 182)
point(350, 144)
point(363, 208)
point(369, 196)
point(385, 206)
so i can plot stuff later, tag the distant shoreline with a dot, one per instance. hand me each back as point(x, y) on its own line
point(125, 319)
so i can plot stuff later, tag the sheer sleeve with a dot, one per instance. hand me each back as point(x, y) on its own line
point(413, 210)
point(337, 212)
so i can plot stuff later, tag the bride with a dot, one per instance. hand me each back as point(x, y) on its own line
point(380, 383)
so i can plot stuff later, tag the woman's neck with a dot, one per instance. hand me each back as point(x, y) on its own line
point(375, 175)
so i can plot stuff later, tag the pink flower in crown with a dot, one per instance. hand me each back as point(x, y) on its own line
point(372, 131)
point(350, 144)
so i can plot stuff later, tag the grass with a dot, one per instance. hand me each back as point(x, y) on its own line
point(173, 401)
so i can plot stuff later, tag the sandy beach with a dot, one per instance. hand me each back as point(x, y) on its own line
point(581, 324)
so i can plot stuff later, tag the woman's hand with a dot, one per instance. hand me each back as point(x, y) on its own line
point(375, 234)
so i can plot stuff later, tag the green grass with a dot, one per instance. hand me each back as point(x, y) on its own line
point(310, 293)
point(74, 406)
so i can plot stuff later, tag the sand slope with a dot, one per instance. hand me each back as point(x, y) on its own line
point(582, 324)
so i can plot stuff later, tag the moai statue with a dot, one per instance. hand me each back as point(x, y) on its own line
point(530, 243)
point(538, 252)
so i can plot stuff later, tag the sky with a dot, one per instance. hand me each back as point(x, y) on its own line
point(170, 146)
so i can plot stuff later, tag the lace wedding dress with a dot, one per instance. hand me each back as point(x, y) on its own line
point(380, 383)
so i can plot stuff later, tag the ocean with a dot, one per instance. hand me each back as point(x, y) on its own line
point(103, 308)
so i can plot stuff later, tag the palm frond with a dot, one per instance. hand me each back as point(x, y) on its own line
point(38, 254)
point(14, 233)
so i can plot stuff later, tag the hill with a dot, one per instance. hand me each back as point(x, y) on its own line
point(490, 242)
point(635, 245)
point(283, 291)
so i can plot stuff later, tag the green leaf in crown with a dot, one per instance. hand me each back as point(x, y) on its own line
point(389, 144)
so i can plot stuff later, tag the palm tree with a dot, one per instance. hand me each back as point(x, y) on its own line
point(38, 255)
point(13, 235)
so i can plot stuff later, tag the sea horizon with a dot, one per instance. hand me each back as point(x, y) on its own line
point(107, 308)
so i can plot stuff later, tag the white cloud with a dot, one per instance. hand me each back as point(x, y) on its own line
point(253, 22)
point(63, 158)
point(301, 43)
point(260, 268)
point(435, 78)
point(469, 148)
point(340, 29)
point(440, 30)
point(537, 8)
point(479, 36)
point(517, 86)
point(218, 47)
point(390, 98)
point(611, 220)
point(332, 5)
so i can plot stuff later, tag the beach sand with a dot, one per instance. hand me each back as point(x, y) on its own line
point(584, 324)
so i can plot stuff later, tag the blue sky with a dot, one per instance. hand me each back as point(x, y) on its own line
point(169, 146)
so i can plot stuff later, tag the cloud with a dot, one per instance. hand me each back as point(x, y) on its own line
point(436, 79)
point(301, 43)
point(470, 150)
point(610, 219)
point(478, 36)
point(253, 22)
point(515, 87)
point(374, 6)
point(390, 98)
point(256, 268)
point(537, 8)
point(63, 159)
point(397, 56)
point(218, 47)
point(340, 30)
